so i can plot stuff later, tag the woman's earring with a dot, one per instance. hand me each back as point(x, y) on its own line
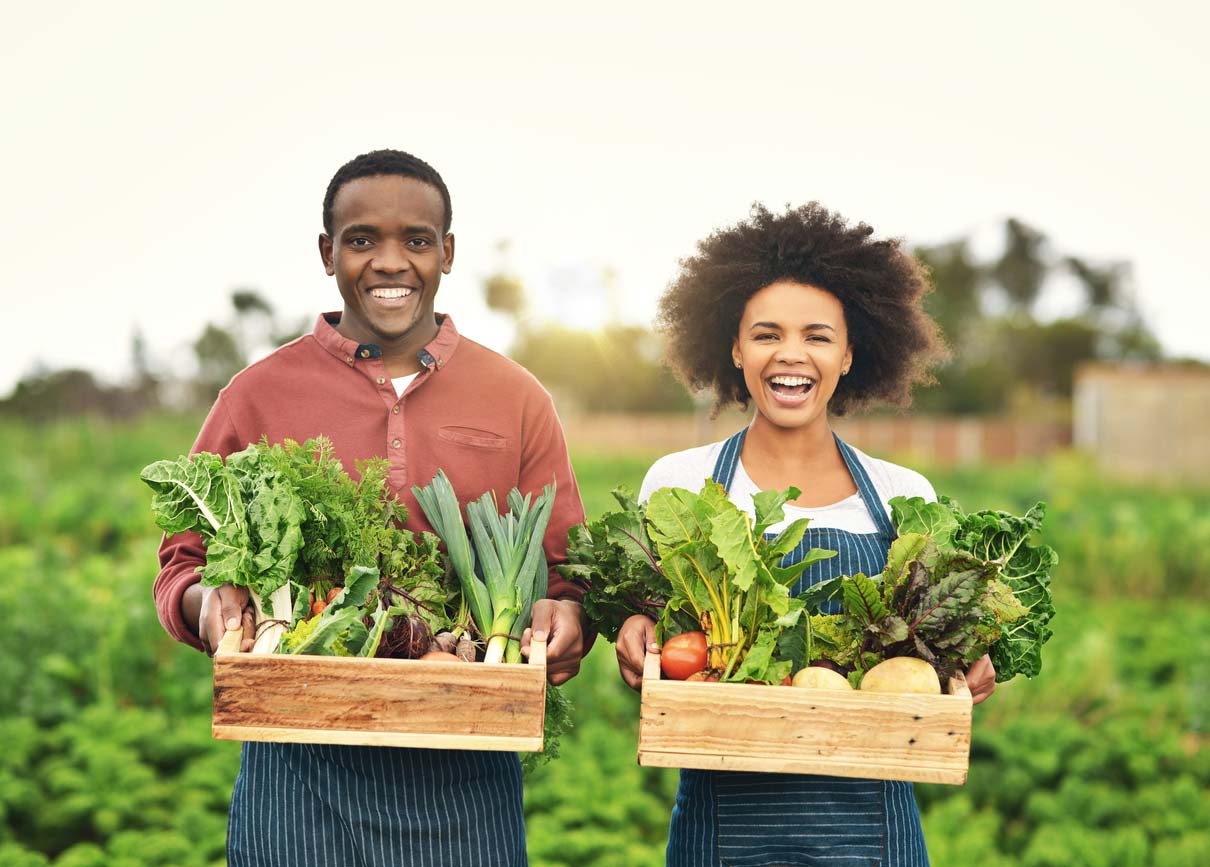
point(739, 366)
point(844, 372)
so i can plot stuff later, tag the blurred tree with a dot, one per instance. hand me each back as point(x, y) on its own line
point(1004, 359)
point(218, 358)
point(53, 394)
point(503, 291)
point(616, 369)
point(957, 279)
point(144, 382)
point(250, 307)
point(248, 301)
point(1103, 285)
point(1022, 267)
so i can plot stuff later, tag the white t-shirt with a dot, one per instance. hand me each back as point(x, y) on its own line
point(401, 382)
point(690, 468)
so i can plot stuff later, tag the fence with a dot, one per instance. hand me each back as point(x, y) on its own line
point(935, 440)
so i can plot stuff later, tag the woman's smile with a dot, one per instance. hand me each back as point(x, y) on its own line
point(790, 390)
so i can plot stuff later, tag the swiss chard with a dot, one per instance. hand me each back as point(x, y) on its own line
point(955, 586)
point(696, 561)
point(284, 519)
point(1024, 567)
point(613, 560)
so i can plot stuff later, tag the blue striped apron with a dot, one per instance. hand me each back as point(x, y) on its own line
point(742, 819)
point(339, 806)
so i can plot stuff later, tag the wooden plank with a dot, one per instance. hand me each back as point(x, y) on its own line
point(377, 739)
point(387, 702)
point(783, 765)
point(957, 686)
point(925, 738)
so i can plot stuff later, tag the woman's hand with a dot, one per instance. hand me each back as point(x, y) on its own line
point(981, 679)
point(561, 622)
point(636, 639)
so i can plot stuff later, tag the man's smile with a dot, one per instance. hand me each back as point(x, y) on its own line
point(391, 291)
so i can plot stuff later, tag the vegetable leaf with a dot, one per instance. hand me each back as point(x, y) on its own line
point(732, 534)
point(863, 600)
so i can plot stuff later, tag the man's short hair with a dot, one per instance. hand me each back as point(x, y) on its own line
point(386, 162)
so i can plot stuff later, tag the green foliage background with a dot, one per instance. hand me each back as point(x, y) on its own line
point(108, 760)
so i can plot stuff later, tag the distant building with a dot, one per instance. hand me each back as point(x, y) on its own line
point(1145, 420)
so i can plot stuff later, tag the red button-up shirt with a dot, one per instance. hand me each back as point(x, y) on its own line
point(482, 418)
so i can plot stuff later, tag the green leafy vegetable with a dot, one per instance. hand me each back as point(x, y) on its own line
point(1023, 566)
point(286, 520)
point(955, 587)
point(613, 560)
point(696, 561)
point(556, 723)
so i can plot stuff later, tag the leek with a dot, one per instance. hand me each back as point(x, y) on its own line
point(501, 567)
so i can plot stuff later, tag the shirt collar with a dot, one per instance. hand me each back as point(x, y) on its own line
point(436, 353)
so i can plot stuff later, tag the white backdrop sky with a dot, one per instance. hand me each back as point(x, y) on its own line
point(158, 155)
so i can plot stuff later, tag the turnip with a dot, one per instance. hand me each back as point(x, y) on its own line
point(466, 650)
point(902, 674)
point(818, 677)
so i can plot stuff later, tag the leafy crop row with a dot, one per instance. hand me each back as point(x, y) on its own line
point(108, 760)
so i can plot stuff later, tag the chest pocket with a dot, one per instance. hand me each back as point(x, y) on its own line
point(469, 436)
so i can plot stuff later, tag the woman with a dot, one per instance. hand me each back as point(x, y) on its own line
point(804, 316)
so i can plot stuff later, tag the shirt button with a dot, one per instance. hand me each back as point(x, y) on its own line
point(395, 409)
point(381, 380)
point(396, 443)
point(349, 360)
point(365, 353)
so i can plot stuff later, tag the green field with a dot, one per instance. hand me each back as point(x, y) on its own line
point(1101, 760)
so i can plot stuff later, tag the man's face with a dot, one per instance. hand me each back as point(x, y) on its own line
point(387, 253)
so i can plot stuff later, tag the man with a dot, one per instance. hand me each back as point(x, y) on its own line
point(389, 377)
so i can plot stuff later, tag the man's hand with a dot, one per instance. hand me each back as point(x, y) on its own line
point(981, 679)
point(560, 621)
point(636, 639)
point(225, 607)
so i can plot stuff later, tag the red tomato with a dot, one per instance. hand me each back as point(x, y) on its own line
point(683, 655)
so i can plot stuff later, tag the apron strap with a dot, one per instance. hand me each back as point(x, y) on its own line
point(728, 460)
point(866, 488)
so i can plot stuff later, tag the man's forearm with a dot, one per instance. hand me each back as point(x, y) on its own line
point(191, 606)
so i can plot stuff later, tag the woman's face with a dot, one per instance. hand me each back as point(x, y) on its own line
point(793, 346)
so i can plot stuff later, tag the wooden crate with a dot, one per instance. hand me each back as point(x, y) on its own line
point(784, 729)
point(379, 702)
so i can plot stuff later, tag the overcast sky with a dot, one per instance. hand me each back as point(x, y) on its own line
point(157, 155)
